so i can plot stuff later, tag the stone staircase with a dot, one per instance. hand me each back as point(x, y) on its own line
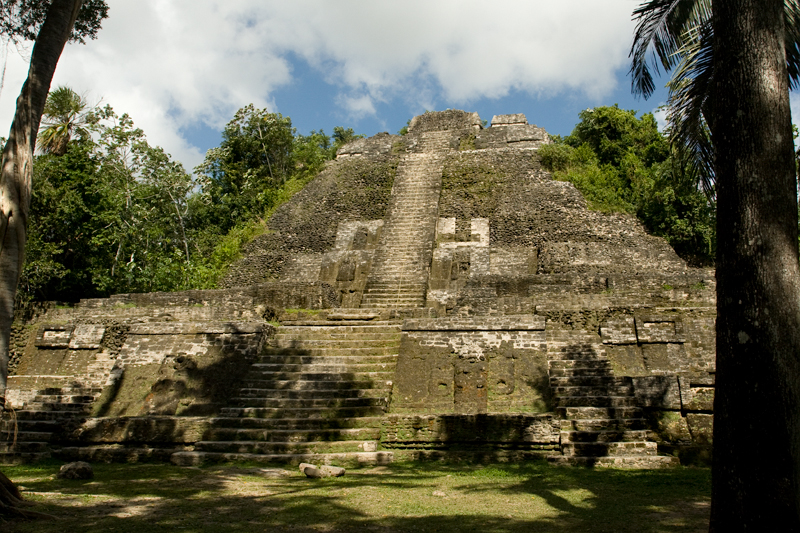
point(403, 257)
point(26, 434)
point(316, 394)
point(601, 424)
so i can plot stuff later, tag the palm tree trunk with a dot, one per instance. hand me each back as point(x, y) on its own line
point(15, 177)
point(756, 471)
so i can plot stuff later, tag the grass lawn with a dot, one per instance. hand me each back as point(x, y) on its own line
point(529, 497)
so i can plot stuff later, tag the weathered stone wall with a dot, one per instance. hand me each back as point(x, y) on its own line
point(349, 189)
point(180, 368)
point(463, 365)
point(452, 119)
point(670, 354)
point(495, 437)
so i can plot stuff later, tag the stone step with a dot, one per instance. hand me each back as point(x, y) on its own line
point(292, 384)
point(308, 403)
point(604, 436)
point(115, 453)
point(345, 326)
point(89, 391)
point(590, 381)
point(312, 334)
point(588, 355)
point(25, 435)
point(579, 372)
point(272, 353)
point(63, 399)
point(584, 413)
point(24, 447)
point(47, 414)
point(604, 424)
point(593, 390)
point(561, 364)
point(596, 401)
point(399, 290)
point(617, 461)
point(43, 425)
point(297, 423)
point(345, 459)
point(388, 304)
point(340, 368)
point(389, 295)
point(284, 342)
point(292, 435)
point(275, 448)
point(317, 394)
point(321, 357)
point(300, 412)
point(320, 376)
point(17, 458)
point(601, 449)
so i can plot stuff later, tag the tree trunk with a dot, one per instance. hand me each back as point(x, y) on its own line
point(756, 470)
point(17, 163)
point(15, 181)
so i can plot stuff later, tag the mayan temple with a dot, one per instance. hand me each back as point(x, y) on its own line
point(435, 294)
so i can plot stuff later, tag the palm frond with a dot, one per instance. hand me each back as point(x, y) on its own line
point(65, 114)
point(690, 102)
point(791, 14)
point(658, 37)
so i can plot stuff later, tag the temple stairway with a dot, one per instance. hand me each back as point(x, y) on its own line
point(601, 423)
point(403, 257)
point(316, 394)
point(26, 434)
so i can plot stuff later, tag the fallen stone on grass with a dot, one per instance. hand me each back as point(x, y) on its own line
point(314, 471)
point(76, 470)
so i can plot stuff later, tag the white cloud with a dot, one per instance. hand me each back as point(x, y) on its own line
point(175, 64)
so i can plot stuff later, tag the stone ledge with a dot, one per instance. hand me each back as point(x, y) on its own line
point(193, 328)
point(487, 323)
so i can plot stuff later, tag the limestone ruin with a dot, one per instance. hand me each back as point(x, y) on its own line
point(435, 294)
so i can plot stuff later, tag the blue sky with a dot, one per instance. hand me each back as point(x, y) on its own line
point(181, 68)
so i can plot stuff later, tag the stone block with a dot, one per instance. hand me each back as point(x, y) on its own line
point(87, 337)
point(446, 226)
point(470, 394)
point(479, 230)
point(661, 392)
point(619, 331)
point(626, 360)
point(701, 427)
point(656, 329)
point(695, 396)
point(672, 428)
point(656, 358)
point(52, 336)
point(506, 120)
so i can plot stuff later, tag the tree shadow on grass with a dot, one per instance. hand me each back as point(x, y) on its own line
point(432, 497)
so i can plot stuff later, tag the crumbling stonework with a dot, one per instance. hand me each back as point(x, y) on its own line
point(427, 294)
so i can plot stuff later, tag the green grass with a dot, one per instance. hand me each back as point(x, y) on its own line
point(401, 497)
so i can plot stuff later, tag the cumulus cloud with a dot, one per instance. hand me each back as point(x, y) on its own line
point(178, 64)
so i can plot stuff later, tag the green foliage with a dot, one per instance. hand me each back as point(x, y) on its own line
point(622, 163)
point(65, 115)
point(108, 216)
point(20, 20)
point(256, 156)
point(112, 214)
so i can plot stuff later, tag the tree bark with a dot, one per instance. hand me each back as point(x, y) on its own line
point(17, 163)
point(15, 189)
point(756, 470)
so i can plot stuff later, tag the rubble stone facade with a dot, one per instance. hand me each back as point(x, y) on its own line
point(430, 294)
